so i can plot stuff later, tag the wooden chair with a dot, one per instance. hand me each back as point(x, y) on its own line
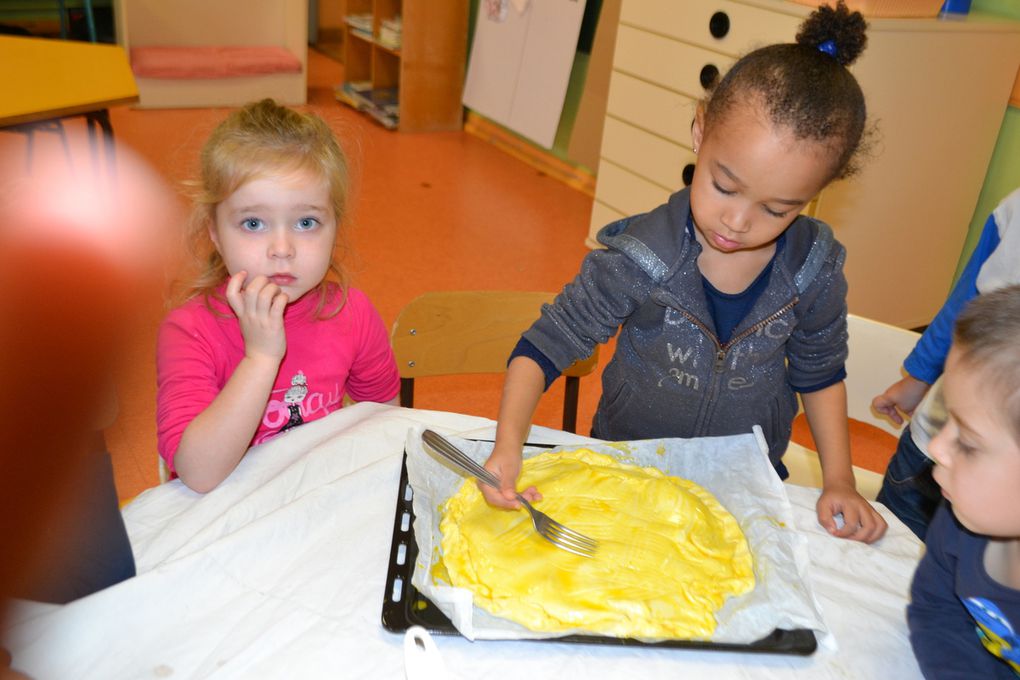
point(459, 332)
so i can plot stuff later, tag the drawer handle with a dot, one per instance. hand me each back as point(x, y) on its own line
point(687, 175)
point(709, 74)
point(719, 25)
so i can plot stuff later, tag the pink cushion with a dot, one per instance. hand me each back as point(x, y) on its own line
point(211, 62)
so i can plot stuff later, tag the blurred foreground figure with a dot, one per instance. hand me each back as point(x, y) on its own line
point(77, 254)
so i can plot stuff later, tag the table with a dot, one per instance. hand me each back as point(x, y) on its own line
point(46, 80)
point(280, 572)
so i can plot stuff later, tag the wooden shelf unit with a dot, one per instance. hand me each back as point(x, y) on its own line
point(428, 68)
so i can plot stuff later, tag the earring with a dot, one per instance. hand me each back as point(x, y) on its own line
point(695, 149)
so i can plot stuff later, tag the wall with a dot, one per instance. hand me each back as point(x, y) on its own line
point(1004, 169)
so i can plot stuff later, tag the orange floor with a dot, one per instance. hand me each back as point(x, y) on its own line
point(437, 211)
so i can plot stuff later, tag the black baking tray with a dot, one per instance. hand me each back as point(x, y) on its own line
point(403, 606)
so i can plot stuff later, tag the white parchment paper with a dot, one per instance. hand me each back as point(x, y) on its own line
point(735, 469)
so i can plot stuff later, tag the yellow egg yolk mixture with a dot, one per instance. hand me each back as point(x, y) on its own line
point(669, 554)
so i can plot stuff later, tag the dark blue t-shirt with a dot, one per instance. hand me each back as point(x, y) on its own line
point(961, 619)
point(729, 309)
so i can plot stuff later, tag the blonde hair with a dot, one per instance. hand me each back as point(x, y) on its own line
point(260, 139)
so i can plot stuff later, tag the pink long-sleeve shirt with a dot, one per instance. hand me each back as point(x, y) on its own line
point(199, 347)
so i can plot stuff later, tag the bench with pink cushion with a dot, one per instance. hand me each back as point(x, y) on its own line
point(212, 62)
point(207, 53)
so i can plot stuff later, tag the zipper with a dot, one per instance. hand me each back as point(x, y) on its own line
point(719, 366)
point(751, 330)
point(722, 349)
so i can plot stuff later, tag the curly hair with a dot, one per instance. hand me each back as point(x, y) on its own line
point(805, 87)
point(259, 139)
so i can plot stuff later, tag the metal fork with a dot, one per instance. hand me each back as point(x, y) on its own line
point(548, 528)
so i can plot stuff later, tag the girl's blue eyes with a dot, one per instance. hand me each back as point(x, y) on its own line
point(253, 224)
point(768, 211)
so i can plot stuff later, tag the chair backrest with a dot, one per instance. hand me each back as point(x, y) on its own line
point(458, 332)
point(877, 351)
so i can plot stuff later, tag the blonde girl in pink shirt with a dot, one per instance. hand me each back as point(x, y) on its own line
point(270, 335)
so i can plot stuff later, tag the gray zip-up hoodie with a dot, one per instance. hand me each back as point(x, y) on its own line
point(670, 376)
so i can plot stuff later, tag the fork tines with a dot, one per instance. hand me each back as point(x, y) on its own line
point(571, 541)
point(561, 535)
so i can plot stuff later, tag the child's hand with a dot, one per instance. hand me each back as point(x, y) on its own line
point(506, 466)
point(259, 307)
point(903, 395)
point(860, 521)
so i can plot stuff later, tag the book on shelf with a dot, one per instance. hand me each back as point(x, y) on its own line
point(361, 24)
point(382, 103)
point(391, 33)
point(345, 92)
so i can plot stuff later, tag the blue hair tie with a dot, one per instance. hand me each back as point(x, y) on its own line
point(829, 47)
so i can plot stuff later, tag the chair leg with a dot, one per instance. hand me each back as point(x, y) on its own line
point(407, 392)
point(29, 148)
point(63, 19)
point(90, 126)
point(58, 127)
point(570, 395)
point(102, 119)
point(90, 20)
point(29, 130)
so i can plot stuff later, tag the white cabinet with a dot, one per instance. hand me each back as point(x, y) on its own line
point(938, 90)
point(520, 65)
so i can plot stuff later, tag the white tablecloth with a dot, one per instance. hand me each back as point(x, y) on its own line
point(280, 572)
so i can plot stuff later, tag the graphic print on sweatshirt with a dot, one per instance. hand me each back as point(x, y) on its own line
point(994, 630)
point(683, 361)
point(297, 405)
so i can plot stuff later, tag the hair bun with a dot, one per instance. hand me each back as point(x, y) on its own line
point(835, 25)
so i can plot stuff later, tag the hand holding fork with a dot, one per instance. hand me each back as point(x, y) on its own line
point(559, 535)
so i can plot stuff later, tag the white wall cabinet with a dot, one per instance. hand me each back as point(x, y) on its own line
point(520, 65)
point(938, 90)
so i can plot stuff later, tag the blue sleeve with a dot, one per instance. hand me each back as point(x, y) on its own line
point(942, 632)
point(928, 357)
point(838, 376)
point(526, 349)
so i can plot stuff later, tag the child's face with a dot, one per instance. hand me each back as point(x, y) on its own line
point(751, 180)
point(279, 226)
point(977, 454)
